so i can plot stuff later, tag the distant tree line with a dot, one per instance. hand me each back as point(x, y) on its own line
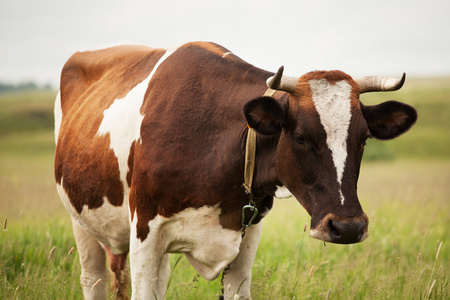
point(25, 86)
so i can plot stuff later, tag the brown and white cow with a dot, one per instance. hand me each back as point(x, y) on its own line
point(150, 158)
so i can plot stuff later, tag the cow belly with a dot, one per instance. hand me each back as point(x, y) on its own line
point(108, 224)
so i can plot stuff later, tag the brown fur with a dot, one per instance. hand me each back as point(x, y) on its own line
point(193, 135)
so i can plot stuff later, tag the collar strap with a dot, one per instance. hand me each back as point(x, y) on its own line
point(269, 92)
point(249, 168)
point(250, 153)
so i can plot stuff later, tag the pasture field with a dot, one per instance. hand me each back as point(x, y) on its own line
point(404, 188)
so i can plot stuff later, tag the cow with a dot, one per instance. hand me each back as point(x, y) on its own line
point(152, 151)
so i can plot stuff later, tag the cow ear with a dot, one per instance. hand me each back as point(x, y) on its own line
point(266, 115)
point(390, 119)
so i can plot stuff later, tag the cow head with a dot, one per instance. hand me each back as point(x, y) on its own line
point(322, 127)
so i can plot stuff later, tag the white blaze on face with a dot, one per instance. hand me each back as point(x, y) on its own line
point(332, 102)
point(122, 120)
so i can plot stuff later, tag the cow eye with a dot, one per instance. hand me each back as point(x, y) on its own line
point(301, 140)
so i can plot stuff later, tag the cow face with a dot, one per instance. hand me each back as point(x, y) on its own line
point(322, 128)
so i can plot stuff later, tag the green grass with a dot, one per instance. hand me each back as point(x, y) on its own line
point(403, 188)
point(27, 272)
point(396, 261)
point(26, 112)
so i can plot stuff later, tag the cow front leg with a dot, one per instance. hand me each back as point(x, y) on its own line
point(94, 274)
point(147, 263)
point(164, 273)
point(238, 275)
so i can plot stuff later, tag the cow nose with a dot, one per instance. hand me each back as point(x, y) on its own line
point(347, 231)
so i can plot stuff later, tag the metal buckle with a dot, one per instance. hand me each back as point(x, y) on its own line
point(255, 213)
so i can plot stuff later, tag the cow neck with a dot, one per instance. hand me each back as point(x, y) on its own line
point(249, 168)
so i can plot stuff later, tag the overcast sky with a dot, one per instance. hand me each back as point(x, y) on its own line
point(359, 37)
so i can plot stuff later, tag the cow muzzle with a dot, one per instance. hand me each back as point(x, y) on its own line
point(341, 230)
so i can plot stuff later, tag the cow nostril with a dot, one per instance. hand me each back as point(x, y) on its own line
point(334, 232)
point(346, 232)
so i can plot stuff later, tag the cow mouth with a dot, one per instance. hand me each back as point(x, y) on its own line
point(337, 230)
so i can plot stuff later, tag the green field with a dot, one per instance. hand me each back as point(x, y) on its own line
point(404, 188)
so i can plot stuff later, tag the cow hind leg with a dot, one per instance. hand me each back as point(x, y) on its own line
point(94, 274)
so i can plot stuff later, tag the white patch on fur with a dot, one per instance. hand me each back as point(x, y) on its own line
point(195, 232)
point(122, 120)
point(108, 224)
point(198, 234)
point(58, 116)
point(332, 102)
point(226, 54)
point(282, 192)
point(320, 234)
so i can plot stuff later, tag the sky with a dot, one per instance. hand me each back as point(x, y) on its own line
point(383, 37)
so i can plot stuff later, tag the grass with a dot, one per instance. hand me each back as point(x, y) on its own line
point(26, 112)
point(398, 260)
point(403, 189)
point(26, 269)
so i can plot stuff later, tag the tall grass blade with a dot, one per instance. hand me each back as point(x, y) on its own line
point(174, 266)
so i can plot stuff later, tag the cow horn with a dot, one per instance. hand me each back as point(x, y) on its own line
point(282, 83)
point(379, 83)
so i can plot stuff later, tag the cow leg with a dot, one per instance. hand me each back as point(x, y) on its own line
point(238, 274)
point(164, 273)
point(93, 264)
point(147, 259)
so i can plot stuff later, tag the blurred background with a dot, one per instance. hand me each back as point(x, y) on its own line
point(357, 37)
point(404, 184)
